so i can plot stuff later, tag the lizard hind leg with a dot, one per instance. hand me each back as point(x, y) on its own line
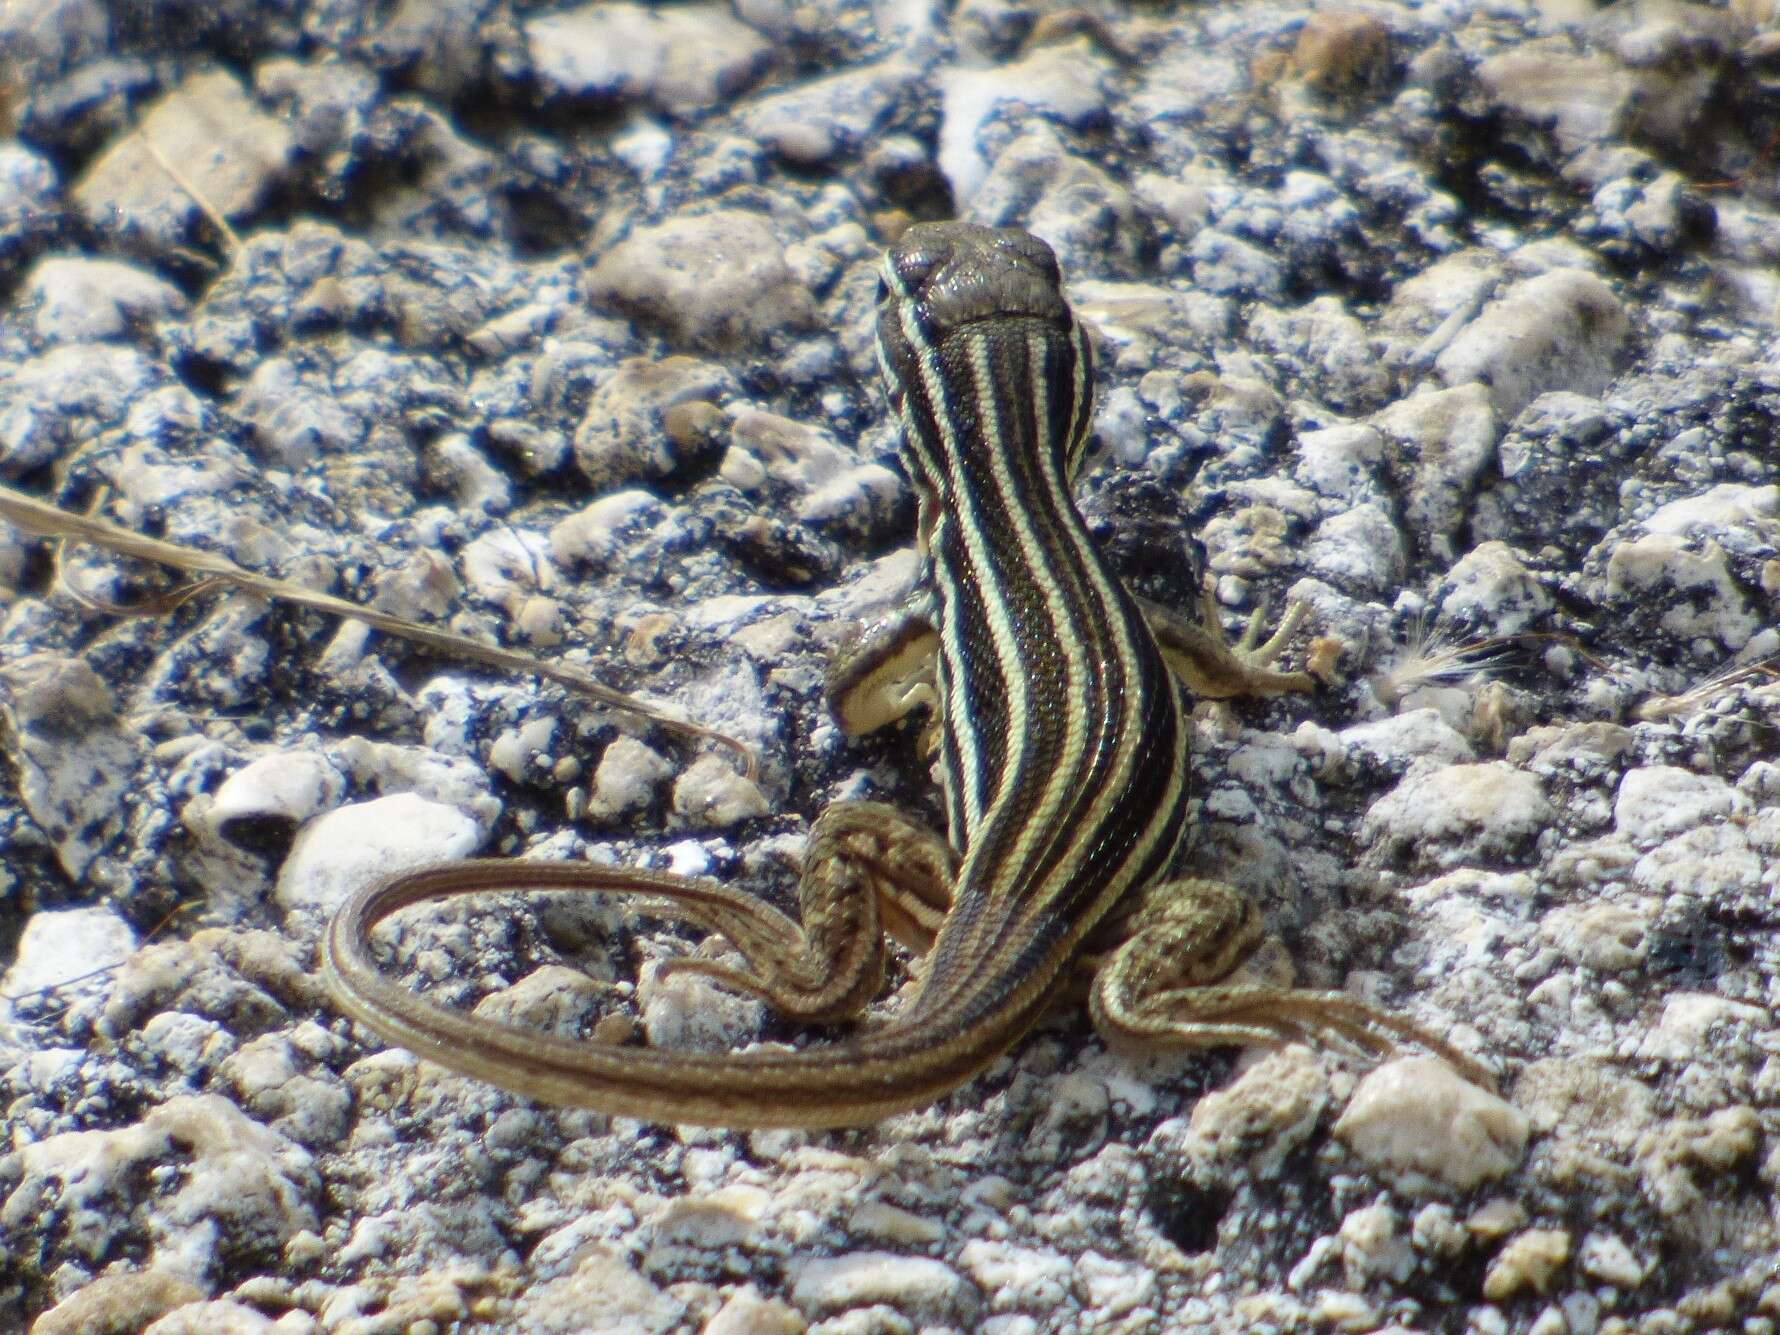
point(1164, 987)
point(869, 871)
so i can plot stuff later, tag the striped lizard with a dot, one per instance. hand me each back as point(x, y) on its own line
point(1060, 716)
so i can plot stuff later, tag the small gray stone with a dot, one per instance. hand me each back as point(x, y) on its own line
point(683, 58)
point(1558, 331)
point(79, 299)
point(352, 846)
point(717, 280)
point(65, 397)
point(1417, 1124)
point(1446, 438)
point(624, 436)
point(1447, 816)
point(229, 152)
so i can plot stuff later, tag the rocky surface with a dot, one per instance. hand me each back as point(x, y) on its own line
point(552, 325)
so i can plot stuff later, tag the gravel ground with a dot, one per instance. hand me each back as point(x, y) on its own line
point(551, 325)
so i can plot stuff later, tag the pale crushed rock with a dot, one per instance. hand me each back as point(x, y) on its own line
point(747, 1313)
point(622, 437)
point(879, 1221)
point(1558, 331)
point(1359, 550)
point(350, 847)
point(1606, 1257)
point(1710, 862)
point(1693, 1023)
point(1702, 600)
point(238, 1184)
point(1341, 462)
point(1491, 591)
point(433, 771)
point(75, 758)
point(625, 779)
point(1577, 1101)
point(1375, 1246)
point(1443, 441)
point(1677, 1161)
point(1016, 1278)
point(683, 59)
point(58, 946)
point(507, 565)
point(1656, 802)
point(817, 119)
point(1721, 511)
point(1529, 1260)
point(804, 455)
point(713, 795)
point(224, 1316)
point(69, 392)
point(230, 151)
point(272, 1077)
point(1078, 207)
point(716, 281)
point(602, 1296)
point(1608, 938)
point(80, 300)
point(683, 1011)
point(294, 418)
point(1416, 1123)
point(1444, 816)
point(916, 1285)
point(1399, 740)
point(1263, 1116)
point(595, 534)
point(113, 1304)
point(1065, 82)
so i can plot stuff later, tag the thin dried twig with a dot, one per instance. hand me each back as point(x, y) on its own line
point(230, 237)
point(37, 516)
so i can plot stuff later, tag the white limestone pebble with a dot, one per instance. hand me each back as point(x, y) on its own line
point(230, 153)
point(1655, 802)
point(1446, 816)
point(914, 1285)
point(1558, 330)
point(1417, 1123)
point(351, 846)
point(292, 785)
point(711, 794)
point(625, 779)
point(717, 281)
point(683, 58)
point(76, 298)
point(61, 945)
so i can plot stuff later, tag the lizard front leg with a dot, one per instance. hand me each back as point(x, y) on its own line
point(1212, 668)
